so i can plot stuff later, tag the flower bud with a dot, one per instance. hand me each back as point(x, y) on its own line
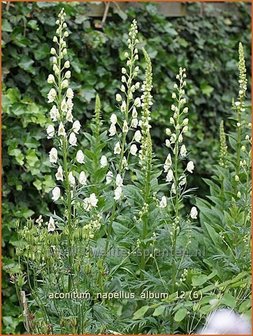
point(68, 74)
point(50, 79)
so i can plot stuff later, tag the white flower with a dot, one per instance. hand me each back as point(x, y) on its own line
point(133, 149)
point(61, 130)
point(50, 131)
point(123, 106)
point(167, 143)
point(93, 200)
point(112, 130)
point(82, 178)
point(117, 149)
point(50, 79)
point(134, 122)
point(163, 202)
point(124, 163)
point(119, 181)
point(137, 136)
point(134, 112)
point(180, 138)
point(113, 119)
point(137, 102)
point(51, 95)
point(118, 97)
point(183, 151)
point(69, 116)
point(194, 213)
point(72, 139)
point(185, 110)
point(173, 188)
point(69, 104)
point(56, 193)
point(170, 176)
point(117, 193)
point(185, 129)
point(65, 84)
point(53, 155)
point(66, 64)
point(76, 126)
point(168, 131)
point(59, 174)
point(174, 96)
point(51, 225)
point(125, 127)
point(80, 156)
point(70, 93)
point(54, 113)
point(86, 203)
point(167, 164)
point(39, 220)
point(68, 74)
point(56, 69)
point(182, 181)
point(185, 122)
point(64, 106)
point(190, 167)
point(109, 177)
point(71, 179)
point(90, 202)
point(103, 161)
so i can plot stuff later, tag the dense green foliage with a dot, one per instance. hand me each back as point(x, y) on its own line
point(206, 46)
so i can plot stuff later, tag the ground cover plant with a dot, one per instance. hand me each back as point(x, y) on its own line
point(120, 230)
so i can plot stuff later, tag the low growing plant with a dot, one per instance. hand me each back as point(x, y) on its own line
point(116, 253)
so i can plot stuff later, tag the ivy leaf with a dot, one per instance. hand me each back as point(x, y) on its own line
point(26, 64)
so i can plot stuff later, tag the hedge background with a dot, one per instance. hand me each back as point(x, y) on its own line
point(206, 45)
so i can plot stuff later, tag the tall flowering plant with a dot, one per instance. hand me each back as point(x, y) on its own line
point(119, 217)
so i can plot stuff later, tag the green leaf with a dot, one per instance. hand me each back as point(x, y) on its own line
point(198, 280)
point(229, 300)
point(206, 88)
point(212, 233)
point(159, 311)
point(180, 314)
point(140, 312)
point(26, 64)
point(6, 26)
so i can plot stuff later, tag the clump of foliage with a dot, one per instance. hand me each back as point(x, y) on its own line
point(119, 212)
